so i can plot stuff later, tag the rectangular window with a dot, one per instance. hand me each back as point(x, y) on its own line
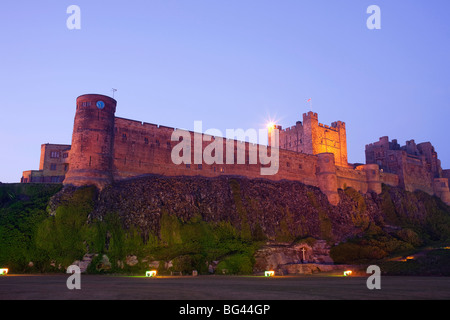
point(199, 167)
point(53, 166)
point(54, 154)
point(65, 155)
point(188, 166)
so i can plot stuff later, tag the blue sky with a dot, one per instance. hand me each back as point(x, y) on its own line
point(231, 64)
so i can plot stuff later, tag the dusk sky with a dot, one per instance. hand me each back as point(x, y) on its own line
point(231, 64)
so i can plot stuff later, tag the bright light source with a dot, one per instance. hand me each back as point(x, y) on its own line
point(150, 273)
point(270, 125)
point(4, 272)
point(348, 273)
point(269, 273)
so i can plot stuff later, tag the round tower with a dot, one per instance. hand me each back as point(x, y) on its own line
point(326, 176)
point(373, 177)
point(91, 154)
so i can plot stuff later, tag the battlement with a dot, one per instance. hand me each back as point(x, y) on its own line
point(310, 115)
point(328, 127)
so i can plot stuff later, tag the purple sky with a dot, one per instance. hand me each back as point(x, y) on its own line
point(231, 64)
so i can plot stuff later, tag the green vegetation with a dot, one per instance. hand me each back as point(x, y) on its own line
point(245, 227)
point(52, 242)
point(64, 237)
point(374, 245)
point(326, 227)
point(432, 263)
point(359, 218)
point(196, 244)
point(424, 224)
point(22, 209)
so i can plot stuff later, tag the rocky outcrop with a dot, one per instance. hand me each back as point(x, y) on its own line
point(283, 210)
point(293, 258)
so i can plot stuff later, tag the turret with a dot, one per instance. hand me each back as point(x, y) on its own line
point(310, 125)
point(91, 155)
point(326, 176)
point(373, 177)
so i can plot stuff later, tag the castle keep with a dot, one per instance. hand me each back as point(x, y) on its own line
point(106, 148)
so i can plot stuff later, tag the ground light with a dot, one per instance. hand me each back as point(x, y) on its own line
point(150, 273)
point(347, 273)
point(4, 272)
point(269, 273)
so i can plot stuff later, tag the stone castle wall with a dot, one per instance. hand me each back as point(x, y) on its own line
point(143, 148)
point(106, 148)
point(415, 165)
point(53, 165)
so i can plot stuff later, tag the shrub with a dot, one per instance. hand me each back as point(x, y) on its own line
point(349, 253)
point(236, 264)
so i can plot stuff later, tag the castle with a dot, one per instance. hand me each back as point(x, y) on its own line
point(106, 148)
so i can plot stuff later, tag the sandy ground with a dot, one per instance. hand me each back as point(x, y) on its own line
point(317, 287)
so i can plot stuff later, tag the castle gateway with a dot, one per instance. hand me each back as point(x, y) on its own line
point(106, 148)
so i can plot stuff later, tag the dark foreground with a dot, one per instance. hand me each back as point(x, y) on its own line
point(53, 287)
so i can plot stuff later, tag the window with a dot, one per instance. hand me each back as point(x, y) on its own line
point(188, 166)
point(157, 143)
point(54, 154)
point(65, 155)
point(222, 169)
point(66, 167)
point(199, 167)
point(53, 166)
point(124, 137)
point(288, 164)
point(300, 166)
point(146, 140)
